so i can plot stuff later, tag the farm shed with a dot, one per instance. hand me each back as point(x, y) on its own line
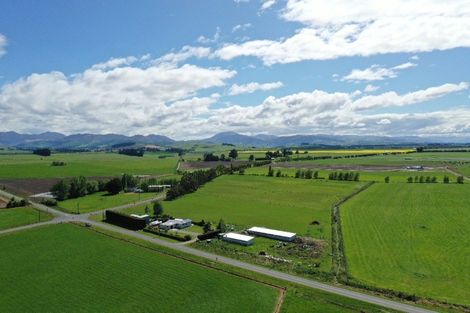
point(144, 217)
point(238, 238)
point(272, 233)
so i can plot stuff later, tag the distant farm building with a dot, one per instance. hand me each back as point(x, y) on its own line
point(238, 238)
point(176, 223)
point(272, 233)
point(157, 188)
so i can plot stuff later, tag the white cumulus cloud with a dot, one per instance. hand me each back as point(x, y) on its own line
point(252, 87)
point(376, 72)
point(341, 28)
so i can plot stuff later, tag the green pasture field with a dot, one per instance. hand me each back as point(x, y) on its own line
point(395, 176)
point(10, 218)
point(284, 203)
point(411, 237)
point(90, 272)
point(84, 164)
point(101, 200)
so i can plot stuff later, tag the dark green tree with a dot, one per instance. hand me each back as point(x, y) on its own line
point(387, 179)
point(114, 186)
point(60, 190)
point(221, 226)
point(460, 180)
point(157, 208)
point(207, 227)
point(233, 154)
point(446, 179)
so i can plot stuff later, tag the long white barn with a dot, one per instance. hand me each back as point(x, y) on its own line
point(272, 233)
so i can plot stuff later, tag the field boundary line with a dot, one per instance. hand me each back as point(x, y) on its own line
point(453, 171)
point(280, 300)
point(282, 290)
point(339, 261)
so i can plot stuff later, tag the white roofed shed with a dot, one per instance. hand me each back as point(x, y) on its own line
point(238, 238)
point(272, 233)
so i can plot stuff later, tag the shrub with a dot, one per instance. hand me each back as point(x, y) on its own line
point(49, 202)
point(460, 180)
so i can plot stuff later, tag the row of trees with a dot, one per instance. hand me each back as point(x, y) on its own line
point(138, 152)
point(42, 151)
point(190, 182)
point(349, 176)
point(433, 179)
point(80, 186)
point(232, 155)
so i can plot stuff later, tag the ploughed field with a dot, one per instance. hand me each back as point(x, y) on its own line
point(411, 237)
point(14, 217)
point(90, 164)
point(72, 269)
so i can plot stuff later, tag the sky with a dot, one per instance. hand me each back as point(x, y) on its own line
point(191, 69)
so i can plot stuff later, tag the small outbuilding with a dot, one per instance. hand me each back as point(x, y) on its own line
point(238, 238)
point(272, 233)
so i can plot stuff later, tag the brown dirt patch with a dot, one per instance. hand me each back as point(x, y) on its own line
point(3, 203)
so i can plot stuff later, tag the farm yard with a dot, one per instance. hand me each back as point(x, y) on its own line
point(299, 206)
point(87, 271)
point(411, 237)
point(14, 217)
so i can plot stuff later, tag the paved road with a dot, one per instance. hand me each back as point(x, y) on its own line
point(64, 217)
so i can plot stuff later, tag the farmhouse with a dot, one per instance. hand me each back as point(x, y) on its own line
point(272, 233)
point(238, 238)
point(176, 223)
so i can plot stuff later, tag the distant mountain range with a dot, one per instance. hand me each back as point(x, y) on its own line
point(77, 141)
point(327, 140)
point(93, 141)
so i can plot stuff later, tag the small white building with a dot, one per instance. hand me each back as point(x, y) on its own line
point(238, 238)
point(272, 233)
point(155, 223)
point(178, 223)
